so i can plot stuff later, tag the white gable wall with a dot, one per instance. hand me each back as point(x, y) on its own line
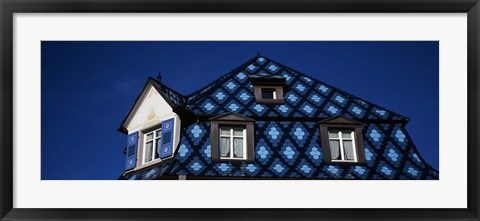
point(149, 112)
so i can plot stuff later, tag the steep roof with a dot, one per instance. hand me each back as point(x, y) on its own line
point(305, 96)
point(170, 95)
point(287, 147)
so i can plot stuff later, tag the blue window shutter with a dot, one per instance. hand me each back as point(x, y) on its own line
point(166, 149)
point(132, 146)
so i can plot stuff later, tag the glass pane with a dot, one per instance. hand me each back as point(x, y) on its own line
point(157, 141)
point(238, 147)
point(158, 133)
point(347, 134)
point(149, 136)
point(335, 149)
point(148, 151)
point(333, 134)
point(225, 147)
point(224, 131)
point(238, 132)
point(267, 93)
point(348, 150)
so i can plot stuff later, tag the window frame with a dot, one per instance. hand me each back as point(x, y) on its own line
point(232, 119)
point(342, 123)
point(277, 94)
point(155, 144)
point(277, 84)
point(268, 90)
point(232, 137)
point(340, 140)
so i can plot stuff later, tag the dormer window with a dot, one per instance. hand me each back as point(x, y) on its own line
point(342, 145)
point(269, 93)
point(232, 137)
point(342, 140)
point(233, 142)
point(151, 144)
point(268, 89)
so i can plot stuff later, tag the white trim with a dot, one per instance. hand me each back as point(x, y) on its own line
point(342, 151)
point(231, 136)
point(153, 140)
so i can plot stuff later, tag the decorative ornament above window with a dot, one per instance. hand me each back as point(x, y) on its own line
point(342, 140)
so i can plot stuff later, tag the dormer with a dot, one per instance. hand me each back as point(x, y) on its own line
point(342, 140)
point(152, 126)
point(268, 88)
point(232, 137)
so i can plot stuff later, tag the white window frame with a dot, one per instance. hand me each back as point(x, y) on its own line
point(341, 139)
point(154, 147)
point(274, 93)
point(231, 136)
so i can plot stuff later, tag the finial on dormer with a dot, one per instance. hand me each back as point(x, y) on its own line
point(258, 54)
point(159, 77)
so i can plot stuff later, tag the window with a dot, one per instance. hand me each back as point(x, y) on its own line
point(232, 142)
point(342, 145)
point(342, 140)
point(268, 89)
point(268, 93)
point(232, 137)
point(150, 145)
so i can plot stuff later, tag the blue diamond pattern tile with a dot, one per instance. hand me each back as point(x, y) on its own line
point(263, 153)
point(287, 76)
point(412, 171)
point(375, 135)
point(220, 96)
point(259, 109)
point(252, 169)
point(306, 169)
point(289, 153)
point(315, 98)
point(323, 89)
point(224, 169)
point(278, 168)
point(300, 88)
point(386, 171)
point(273, 68)
point(241, 76)
point(196, 166)
point(261, 61)
point(252, 68)
point(274, 133)
point(315, 154)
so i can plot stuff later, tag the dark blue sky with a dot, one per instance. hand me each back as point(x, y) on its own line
point(88, 87)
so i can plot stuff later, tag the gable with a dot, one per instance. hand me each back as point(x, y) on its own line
point(340, 120)
point(149, 109)
point(232, 116)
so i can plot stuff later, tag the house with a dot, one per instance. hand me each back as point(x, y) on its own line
point(265, 120)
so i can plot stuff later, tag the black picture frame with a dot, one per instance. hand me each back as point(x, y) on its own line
point(9, 7)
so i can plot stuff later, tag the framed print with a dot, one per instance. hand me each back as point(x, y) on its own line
point(252, 110)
